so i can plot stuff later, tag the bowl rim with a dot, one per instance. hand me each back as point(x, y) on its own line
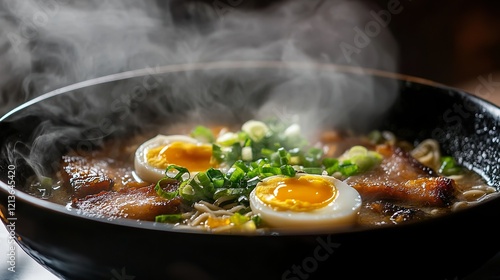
point(220, 65)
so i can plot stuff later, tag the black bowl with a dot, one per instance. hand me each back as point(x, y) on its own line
point(82, 116)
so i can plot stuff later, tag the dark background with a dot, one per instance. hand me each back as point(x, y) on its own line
point(452, 42)
point(449, 41)
point(456, 43)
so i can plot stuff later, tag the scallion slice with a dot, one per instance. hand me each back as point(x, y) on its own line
point(161, 192)
point(203, 134)
point(168, 218)
point(180, 172)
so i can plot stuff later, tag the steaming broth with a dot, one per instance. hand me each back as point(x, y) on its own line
point(391, 181)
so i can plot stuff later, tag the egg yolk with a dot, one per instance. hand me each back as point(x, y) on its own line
point(194, 157)
point(304, 193)
point(214, 222)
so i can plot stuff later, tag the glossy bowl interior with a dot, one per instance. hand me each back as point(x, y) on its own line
point(81, 116)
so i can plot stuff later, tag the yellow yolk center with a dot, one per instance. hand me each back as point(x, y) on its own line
point(304, 193)
point(194, 157)
point(215, 222)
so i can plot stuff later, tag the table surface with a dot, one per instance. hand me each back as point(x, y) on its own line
point(27, 269)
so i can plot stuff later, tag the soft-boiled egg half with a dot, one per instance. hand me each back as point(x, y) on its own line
point(154, 155)
point(305, 202)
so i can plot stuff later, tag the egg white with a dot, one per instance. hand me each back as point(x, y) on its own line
point(341, 212)
point(146, 171)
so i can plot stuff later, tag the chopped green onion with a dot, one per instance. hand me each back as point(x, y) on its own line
point(362, 158)
point(192, 191)
point(227, 155)
point(235, 174)
point(241, 165)
point(233, 154)
point(238, 219)
point(329, 162)
point(203, 134)
point(332, 169)
point(217, 153)
point(270, 170)
point(243, 199)
point(312, 157)
point(251, 183)
point(256, 130)
point(257, 220)
point(217, 177)
point(287, 170)
point(284, 156)
point(204, 190)
point(203, 178)
point(449, 166)
point(348, 169)
point(168, 218)
point(376, 137)
point(45, 182)
point(236, 192)
point(186, 191)
point(357, 150)
point(161, 192)
point(180, 172)
point(266, 152)
point(246, 153)
point(228, 139)
point(364, 163)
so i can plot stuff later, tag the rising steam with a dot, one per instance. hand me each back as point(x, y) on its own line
point(45, 45)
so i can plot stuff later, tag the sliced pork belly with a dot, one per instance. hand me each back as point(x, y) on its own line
point(400, 177)
point(135, 203)
point(392, 213)
point(83, 177)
